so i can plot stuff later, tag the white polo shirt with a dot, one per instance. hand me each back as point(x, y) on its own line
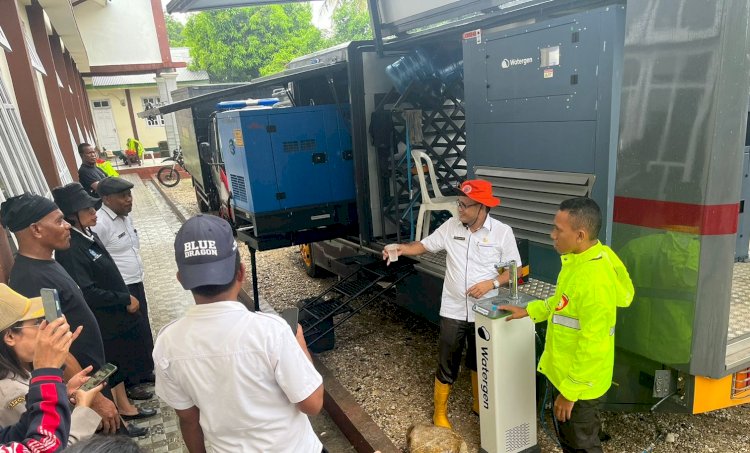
point(471, 258)
point(120, 238)
point(245, 372)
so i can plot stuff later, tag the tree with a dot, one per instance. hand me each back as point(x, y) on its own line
point(351, 21)
point(238, 44)
point(174, 30)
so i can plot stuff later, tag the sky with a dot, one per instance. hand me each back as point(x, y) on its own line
point(321, 18)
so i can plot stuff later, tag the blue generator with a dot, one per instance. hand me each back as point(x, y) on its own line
point(289, 169)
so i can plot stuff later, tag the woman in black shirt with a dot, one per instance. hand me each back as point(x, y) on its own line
point(91, 266)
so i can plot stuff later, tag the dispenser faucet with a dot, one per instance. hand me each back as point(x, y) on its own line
point(513, 279)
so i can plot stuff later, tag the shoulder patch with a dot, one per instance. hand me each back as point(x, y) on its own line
point(16, 401)
point(564, 300)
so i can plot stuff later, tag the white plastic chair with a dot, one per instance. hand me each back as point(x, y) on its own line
point(437, 203)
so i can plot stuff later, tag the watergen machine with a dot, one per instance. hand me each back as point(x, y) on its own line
point(506, 374)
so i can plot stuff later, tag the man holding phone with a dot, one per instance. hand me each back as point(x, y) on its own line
point(236, 378)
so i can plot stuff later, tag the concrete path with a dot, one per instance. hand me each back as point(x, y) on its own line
point(157, 226)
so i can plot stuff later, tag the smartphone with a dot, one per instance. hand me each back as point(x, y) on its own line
point(291, 316)
point(51, 304)
point(100, 376)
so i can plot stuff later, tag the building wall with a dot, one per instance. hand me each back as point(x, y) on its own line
point(120, 33)
point(150, 136)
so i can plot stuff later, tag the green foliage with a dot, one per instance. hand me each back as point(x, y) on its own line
point(351, 21)
point(238, 44)
point(174, 30)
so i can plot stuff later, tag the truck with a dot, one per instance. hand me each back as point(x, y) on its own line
point(641, 105)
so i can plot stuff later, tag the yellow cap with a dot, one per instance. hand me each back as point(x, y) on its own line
point(14, 307)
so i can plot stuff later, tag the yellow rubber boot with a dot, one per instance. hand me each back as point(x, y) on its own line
point(475, 392)
point(440, 417)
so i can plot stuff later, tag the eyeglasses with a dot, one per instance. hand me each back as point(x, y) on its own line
point(37, 323)
point(463, 206)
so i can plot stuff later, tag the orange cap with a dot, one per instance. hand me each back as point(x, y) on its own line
point(480, 191)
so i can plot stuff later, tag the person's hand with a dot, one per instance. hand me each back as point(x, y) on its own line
point(78, 380)
point(563, 408)
point(53, 343)
point(134, 305)
point(396, 247)
point(516, 312)
point(108, 412)
point(480, 289)
point(84, 398)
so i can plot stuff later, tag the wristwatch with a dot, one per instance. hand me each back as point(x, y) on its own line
point(495, 283)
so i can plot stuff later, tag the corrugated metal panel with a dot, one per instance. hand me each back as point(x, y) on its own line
point(183, 75)
point(530, 197)
point(186, 6)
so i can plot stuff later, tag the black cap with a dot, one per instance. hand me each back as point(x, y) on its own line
point(205, 251)
point(72, 198)
point(18, 212)
point(112, 185)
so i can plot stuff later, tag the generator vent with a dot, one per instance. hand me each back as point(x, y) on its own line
point(530, 197)
point(239, 188)
point(291, 147)
point(302, 145)
point(517, 439)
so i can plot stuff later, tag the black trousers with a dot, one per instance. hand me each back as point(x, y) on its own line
point(146, 346)
point(454, 335)
point(580, 434)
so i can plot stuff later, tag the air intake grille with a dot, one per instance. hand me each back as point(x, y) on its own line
point(302, 145)
point(517, 439)
point(239, 189)
point(291, 147)
point(530, 197)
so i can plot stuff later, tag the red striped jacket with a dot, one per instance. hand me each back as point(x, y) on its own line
point(45, 425)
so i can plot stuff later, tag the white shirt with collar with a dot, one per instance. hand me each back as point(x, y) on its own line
point(471, 258)
point(120, 238)
point(245, 372)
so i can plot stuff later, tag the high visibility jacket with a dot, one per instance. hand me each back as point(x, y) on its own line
point(579, 351)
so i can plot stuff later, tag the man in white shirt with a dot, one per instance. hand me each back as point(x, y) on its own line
point(241, 380)
point(118, 235)
point(474, 243)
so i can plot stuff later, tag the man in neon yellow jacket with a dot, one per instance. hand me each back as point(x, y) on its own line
point(580, 348)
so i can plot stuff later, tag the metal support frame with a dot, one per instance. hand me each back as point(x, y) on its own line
point(445, 142)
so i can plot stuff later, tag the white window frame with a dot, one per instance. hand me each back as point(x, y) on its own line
point(150, 102)
point(19, 169)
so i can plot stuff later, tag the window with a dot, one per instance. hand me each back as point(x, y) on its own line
point(150, 103)
point(36, 62)
point(104, 104)
point(19, 169)
point(4, 41)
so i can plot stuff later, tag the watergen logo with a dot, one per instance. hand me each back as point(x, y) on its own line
point(507, 63)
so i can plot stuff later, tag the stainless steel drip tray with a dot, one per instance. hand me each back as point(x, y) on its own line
point(490, 307)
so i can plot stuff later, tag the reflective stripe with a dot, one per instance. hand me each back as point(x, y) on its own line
point(566, 321)
point(573, 323)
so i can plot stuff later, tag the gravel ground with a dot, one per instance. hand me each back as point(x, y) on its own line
point(386, 358)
